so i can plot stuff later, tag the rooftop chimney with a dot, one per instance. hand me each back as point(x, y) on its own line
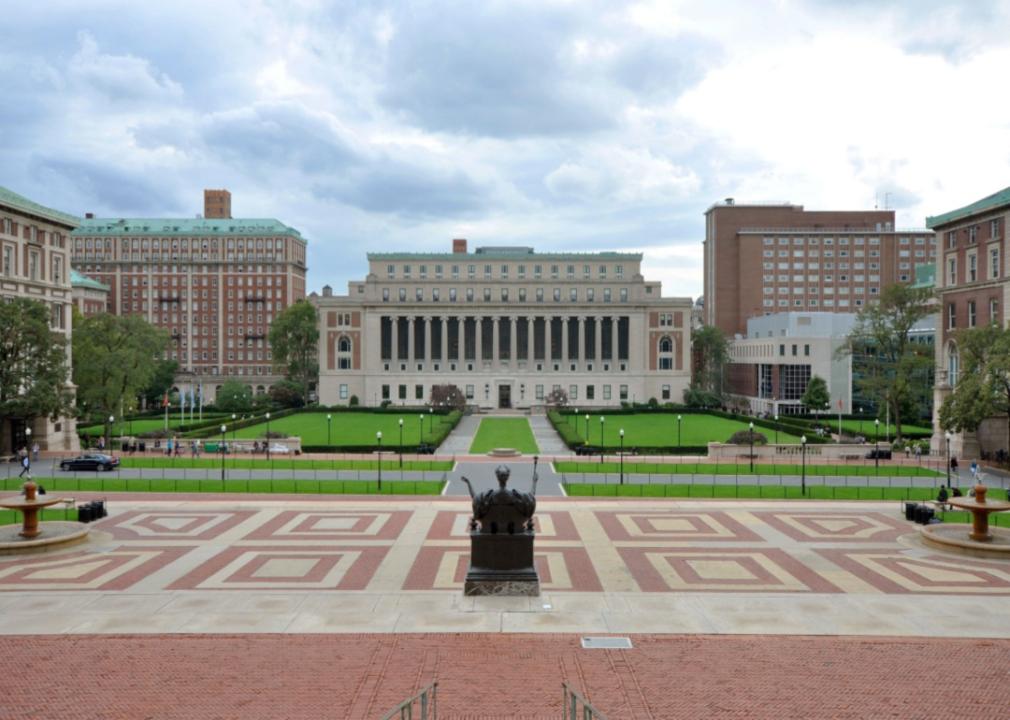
point(216, 204)
point(89, 216)
point(459, 246)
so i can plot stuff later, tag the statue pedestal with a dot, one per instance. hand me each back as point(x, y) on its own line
point(501, 564)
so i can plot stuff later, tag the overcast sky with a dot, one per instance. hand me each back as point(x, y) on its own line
point(559, 124)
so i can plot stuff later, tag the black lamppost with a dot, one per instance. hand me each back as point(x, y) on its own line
point(234, 417)
point(401, 443)
point(268, 436)
point(679, 418)
point(329, 421)
point(876, 445)
point(587, 428)
point(112, 420)
point(946, 436)
point(420, 432)
point(803, 476)
point(602, 419)
point(378, 439)
point(859, 412)
point(751, 436)
point(224, 429)
point(131, 420)
point(622, 456)
point(776, 429)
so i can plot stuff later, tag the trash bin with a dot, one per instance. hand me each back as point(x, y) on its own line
point(143, 446)
point(84, 513)
point(910, 510)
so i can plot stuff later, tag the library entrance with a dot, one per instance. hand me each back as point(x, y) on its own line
point(504, 396)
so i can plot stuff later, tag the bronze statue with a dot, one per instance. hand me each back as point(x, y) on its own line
point(497, 510)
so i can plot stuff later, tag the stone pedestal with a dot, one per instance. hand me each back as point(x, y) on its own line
point(501, 564)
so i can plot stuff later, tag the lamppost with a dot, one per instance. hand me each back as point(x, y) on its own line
point(946, 436)
point(378, 439)
point(876, 445)
point(234, 417)
point(776, 429)
point(131, 420)
point(112, 420)
point(859, 412)
point(803, 476)
point(268, 436)
point(602, 419)
point(679, 418)
point(224, 429)
point(587, 428)
point(420, 432)
point(401, 444)
point(28, 444)
point(622, 456)
point(329, 421)
point(751, 436)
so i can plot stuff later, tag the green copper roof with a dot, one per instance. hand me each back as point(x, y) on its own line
point(168, 227)
point(493, 254)
point(20, 203)
point(79, 280)
point(987, 203)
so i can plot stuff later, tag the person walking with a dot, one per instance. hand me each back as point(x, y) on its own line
point(974, 470)
point(35, 451)
point(26, 464)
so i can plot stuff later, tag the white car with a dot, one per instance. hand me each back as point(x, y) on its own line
point(278, 449)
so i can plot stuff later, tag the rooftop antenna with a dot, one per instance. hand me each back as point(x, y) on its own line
point(886, 196)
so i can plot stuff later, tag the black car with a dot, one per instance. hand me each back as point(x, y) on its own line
point(90, 461)
point(880, 453)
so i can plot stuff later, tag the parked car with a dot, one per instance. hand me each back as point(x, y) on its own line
point(90, 461)
point(278, 449)
point(881, 453)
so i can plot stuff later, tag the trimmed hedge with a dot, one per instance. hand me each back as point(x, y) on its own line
point(814, 492)
point(103, 483)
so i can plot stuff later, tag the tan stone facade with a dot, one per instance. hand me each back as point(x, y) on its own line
point(505, 325)
point(764, 259)
point(35, 263)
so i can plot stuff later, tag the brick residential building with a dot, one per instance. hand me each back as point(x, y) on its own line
point(90, 296)
point(215, 284)
point(765, 259)
point(972, 274)
point(34, 252)
point(506, 325)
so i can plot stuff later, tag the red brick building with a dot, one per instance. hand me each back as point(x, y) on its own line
point(215, 284)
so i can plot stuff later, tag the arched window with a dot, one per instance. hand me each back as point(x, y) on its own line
point(666, 345)
point(260, 390)
point(665, 353)
point(344, 345)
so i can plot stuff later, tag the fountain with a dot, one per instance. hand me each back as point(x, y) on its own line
point(32, 534)
point(981, 538)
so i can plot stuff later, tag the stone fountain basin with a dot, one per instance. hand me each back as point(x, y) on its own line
point(954, 536)
point(54, 535)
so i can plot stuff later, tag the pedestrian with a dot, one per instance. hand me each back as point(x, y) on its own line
point(908, 452)
point(953, 464)
point(168, 448)
point(196, 448)
point(974, 470)
point(26, 464)
point(35, 451)
point(918, 452)
point(192, 448)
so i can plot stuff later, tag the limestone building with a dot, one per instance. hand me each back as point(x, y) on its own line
point(215, 283)
point(507, 325)
point(34, 252)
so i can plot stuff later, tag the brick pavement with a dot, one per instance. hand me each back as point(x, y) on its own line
point(494, 677)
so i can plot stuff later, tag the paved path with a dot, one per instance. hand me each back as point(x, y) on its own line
point(547, 437)
point(501, 677)
point(480, 473)
point(461, 438)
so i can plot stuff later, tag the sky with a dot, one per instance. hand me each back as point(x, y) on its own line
point(558, 124)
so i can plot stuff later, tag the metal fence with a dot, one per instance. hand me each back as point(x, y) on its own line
point(576, 706)
point(426, 702)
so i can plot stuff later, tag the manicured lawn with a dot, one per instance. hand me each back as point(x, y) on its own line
point(660, 429)
point(854, 427)
point(106, 483)
point(742, 469)
point(143, 425)
point(349, 428)
point(815, 492)
point(504, 433)
point(280, 462)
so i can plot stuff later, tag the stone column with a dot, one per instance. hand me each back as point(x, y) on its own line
point(564, 344)
point(495, 349)
point(530, 345)
point(513, 341)
point(410, 343)
point(428, 354)
point(548, 350)
point(478, 328)
point(599, 339)
point(394, 355)
point(582, 338)
point(445, 338)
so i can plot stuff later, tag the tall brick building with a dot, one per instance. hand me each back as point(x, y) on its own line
point(764, 259)
point(972, 277)
point(215, 283)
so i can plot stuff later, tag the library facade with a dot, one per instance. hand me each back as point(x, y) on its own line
point(507, 326)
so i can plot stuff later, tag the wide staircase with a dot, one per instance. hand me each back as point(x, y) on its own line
point(574, 706)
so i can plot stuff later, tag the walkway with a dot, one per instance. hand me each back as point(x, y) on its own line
point(547, 437)
point(461, 438)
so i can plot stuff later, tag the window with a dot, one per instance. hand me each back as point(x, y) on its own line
point(402, 392)
point(951, 271)
point(624, 294)
point(540, 294)
point(418, 294)
point(590, 294)
point(951, 315)
point(504, 294)
point(487, 294)
point(971, 313)
point(469, 392)
point(623, 392)
point(606, 392)
point(403, 294)
point(573, 294)
point(993, 263)
point(972, 266)
point(452, 294)
point(522, 294)
point(419, 392)
point(993, 309)
point(606, 295)
point(343, 391)
point(539, 392)
point(469, 294)
point(994, 229)
point(573, 392)
point(557, 294)
point(385, 392)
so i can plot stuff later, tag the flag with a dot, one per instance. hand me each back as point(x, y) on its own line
point(164, 400)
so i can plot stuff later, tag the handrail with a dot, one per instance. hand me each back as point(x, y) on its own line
point(570, 706)
point(428, 699)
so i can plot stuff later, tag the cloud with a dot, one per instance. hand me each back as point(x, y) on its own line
point(118, 79)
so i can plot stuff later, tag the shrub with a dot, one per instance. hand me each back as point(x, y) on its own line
point(353, 401)
point(746, 437)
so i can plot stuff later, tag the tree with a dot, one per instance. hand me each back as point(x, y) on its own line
point(816, 396)
point(160, 383)
point(711, 356)
point(447, 396)
point(557, 398)
point(294, 339)
point(234, 397)
point(114, 358)
point(983, 385)
point(33, 363)
point(896, 367)
point(286, 394)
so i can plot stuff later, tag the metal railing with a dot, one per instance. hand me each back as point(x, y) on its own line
point(427, 701)
point(574, 702)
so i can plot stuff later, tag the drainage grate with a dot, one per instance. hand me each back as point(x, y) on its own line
point(606, 643)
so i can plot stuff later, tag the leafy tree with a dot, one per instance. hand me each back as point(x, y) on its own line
point(447, 396)
point(294, 339)
point(896, 366)
point(287, 394)
point(114, 358)
point(33, 362)
point(557, 398)
point(160, 382)
point(983, 386)
point(816, 396)
point(234, 397)
point(711, 356)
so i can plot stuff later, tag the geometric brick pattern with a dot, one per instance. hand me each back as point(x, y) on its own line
point(653, 526)
point(858, 527)
point(549, 525)
point(117, 569)
point(316, 525)
point(894, 573)
point(174, 524)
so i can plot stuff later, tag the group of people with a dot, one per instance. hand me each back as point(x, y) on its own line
point(974, 469)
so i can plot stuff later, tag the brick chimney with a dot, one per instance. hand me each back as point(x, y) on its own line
point(89, 216)
point(216, 204)
point(459, 246)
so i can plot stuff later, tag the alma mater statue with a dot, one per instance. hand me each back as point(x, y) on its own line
point(501, 539)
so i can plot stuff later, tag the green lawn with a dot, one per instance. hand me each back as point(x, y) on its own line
point(504, 433)
point(350, 428)
point(742, 468)
point(143, 425)
point(814, 492)
point(103, 482)
point(282, 462)
point(660, 429)
point(865, 428)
